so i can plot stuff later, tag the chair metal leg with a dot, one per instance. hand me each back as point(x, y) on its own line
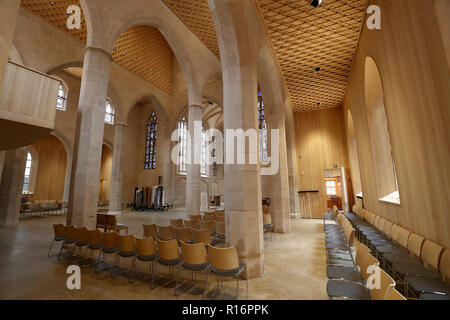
point(49, 250)
point(152, 286)
point(237, 287)
point(246, 281)
point(176, 292)
point(206, 285)
point(60, 250)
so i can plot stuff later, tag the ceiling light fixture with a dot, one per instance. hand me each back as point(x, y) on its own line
point(315, 3)
point(318, 69)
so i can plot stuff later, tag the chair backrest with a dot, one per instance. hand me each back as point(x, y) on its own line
point(165, 233)
point(431, 252)
point(415, 243)
point(59, 230)
point(206, 225)
point(177, 223)
point(111, 221)
point(209, 217)
point(265, 210)
point(381, 290)
point(193, 253)
point(371, 218)
point(220, 219)
point(101, 220)
point(95, 237)
point(387, 229)
point(354, 208)
point(127, 243)
point(150, 230)
point(395, 295)
point(168, 250)
point(223, 258)
point(334, 209)
point(366, 261)
point(71, 233)
point(376, 220)
point(146, 246)
point(209, 214)
point(183, 234)
point(220, 214)
point(199, 236)
point(444, 266)
point(195, 217)
point(403, 237)
point(191, 224)
point(349, 235)
point(267, 219)
point(381, 223)
point(82, 234)
point(220, 228)
point(361, 250)
point(395, 232)
point(109, 240)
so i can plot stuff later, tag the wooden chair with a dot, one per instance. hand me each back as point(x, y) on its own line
point(219, 234)
point(101, 222)
point(111, 224)
point(209, 217)
point(268, 225)
point(395, 295)
point(194, 258)
point(195, 217)
point(220, 215)
point(209, 225)
point(127, 249)
point(165, 233)
point(110, 245)
point(146, 251)
point(59, 231)
point(381, 291)
point(177, 223)
point(70, 239)
point(82, 237)
point(169, 256)
point(191, 224)
point(183, 235)
point(95, 242)
point(150, 230)
point(201, 236)
point(224, 263)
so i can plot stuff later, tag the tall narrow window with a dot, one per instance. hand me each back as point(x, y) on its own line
point(26, 181)
point(213, 156)
point(62, 99)
point(109, 113)
point(182, 139)
point(150, 143)
point(263, 154)
point(204, 166)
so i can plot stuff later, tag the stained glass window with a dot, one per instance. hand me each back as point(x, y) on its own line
point(182, 139)
point(61, 102)
point(263, 154)
point(26, 181)
point(150, 142)
point(109, 113)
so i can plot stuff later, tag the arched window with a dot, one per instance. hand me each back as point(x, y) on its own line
point(62, 99)
point(26, 180)
point(380, 140)
point(263, 154)
point(182, 139)
point(109, 113)
point(204, 166)
point(150, 144)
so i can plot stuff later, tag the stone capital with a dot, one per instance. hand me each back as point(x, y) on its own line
point(86, 49)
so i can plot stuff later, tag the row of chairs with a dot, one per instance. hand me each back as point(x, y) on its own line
point(193, 257)
point(43, 208)
point(420, 266)
point(109, 222)
point(350, 279)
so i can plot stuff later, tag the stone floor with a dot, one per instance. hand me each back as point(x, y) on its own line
point(294, 267)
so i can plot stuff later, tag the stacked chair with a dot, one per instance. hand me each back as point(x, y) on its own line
point(420, 267)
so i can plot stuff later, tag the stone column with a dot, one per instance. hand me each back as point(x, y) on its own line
point(9, 11)
point(292, 164)
point(85, 179)
point(12, 186)
point(193, 169)
point(279, 182)
point(67, 178)
point(115, 197)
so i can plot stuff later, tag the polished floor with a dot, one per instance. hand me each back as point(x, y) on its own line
point(294, 267)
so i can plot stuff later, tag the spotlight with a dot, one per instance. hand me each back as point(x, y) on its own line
point(315, 3)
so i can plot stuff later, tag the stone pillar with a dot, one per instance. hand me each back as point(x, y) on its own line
point(67, 178)
point(9, 11)
point(85, 179)
point(115, 197)
point(279, 182)
point(193, 169)
point(12, 186)
point(292, 164)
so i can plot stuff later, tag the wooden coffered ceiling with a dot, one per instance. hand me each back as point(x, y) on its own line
point(305, 38)
point(140, 49)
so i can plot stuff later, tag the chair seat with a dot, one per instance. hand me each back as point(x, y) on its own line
point(403, 257)
point(340, 255)
point(70, 241)
point(268, 226)
point(96, 247)
point(350, 274)
point(408, 269)
point(428, 285)
point(328, 216)
point(147, 258)
point(346, 289)
point(228, 273)
point(82, 244)
point(341, 263)
point(127, 254)
point(339, 244)
point(381, 242)
point(430, 296)
point(110, 250)
point(59, 239)
point(195, 267)
point(169, 262)
point(220, 236)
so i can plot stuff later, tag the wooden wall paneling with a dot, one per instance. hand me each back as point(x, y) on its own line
point(105, 173)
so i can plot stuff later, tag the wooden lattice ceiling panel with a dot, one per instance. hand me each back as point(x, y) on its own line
point(196, 15)
point(305, 38)
point(141, 49)
point(76, 72)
